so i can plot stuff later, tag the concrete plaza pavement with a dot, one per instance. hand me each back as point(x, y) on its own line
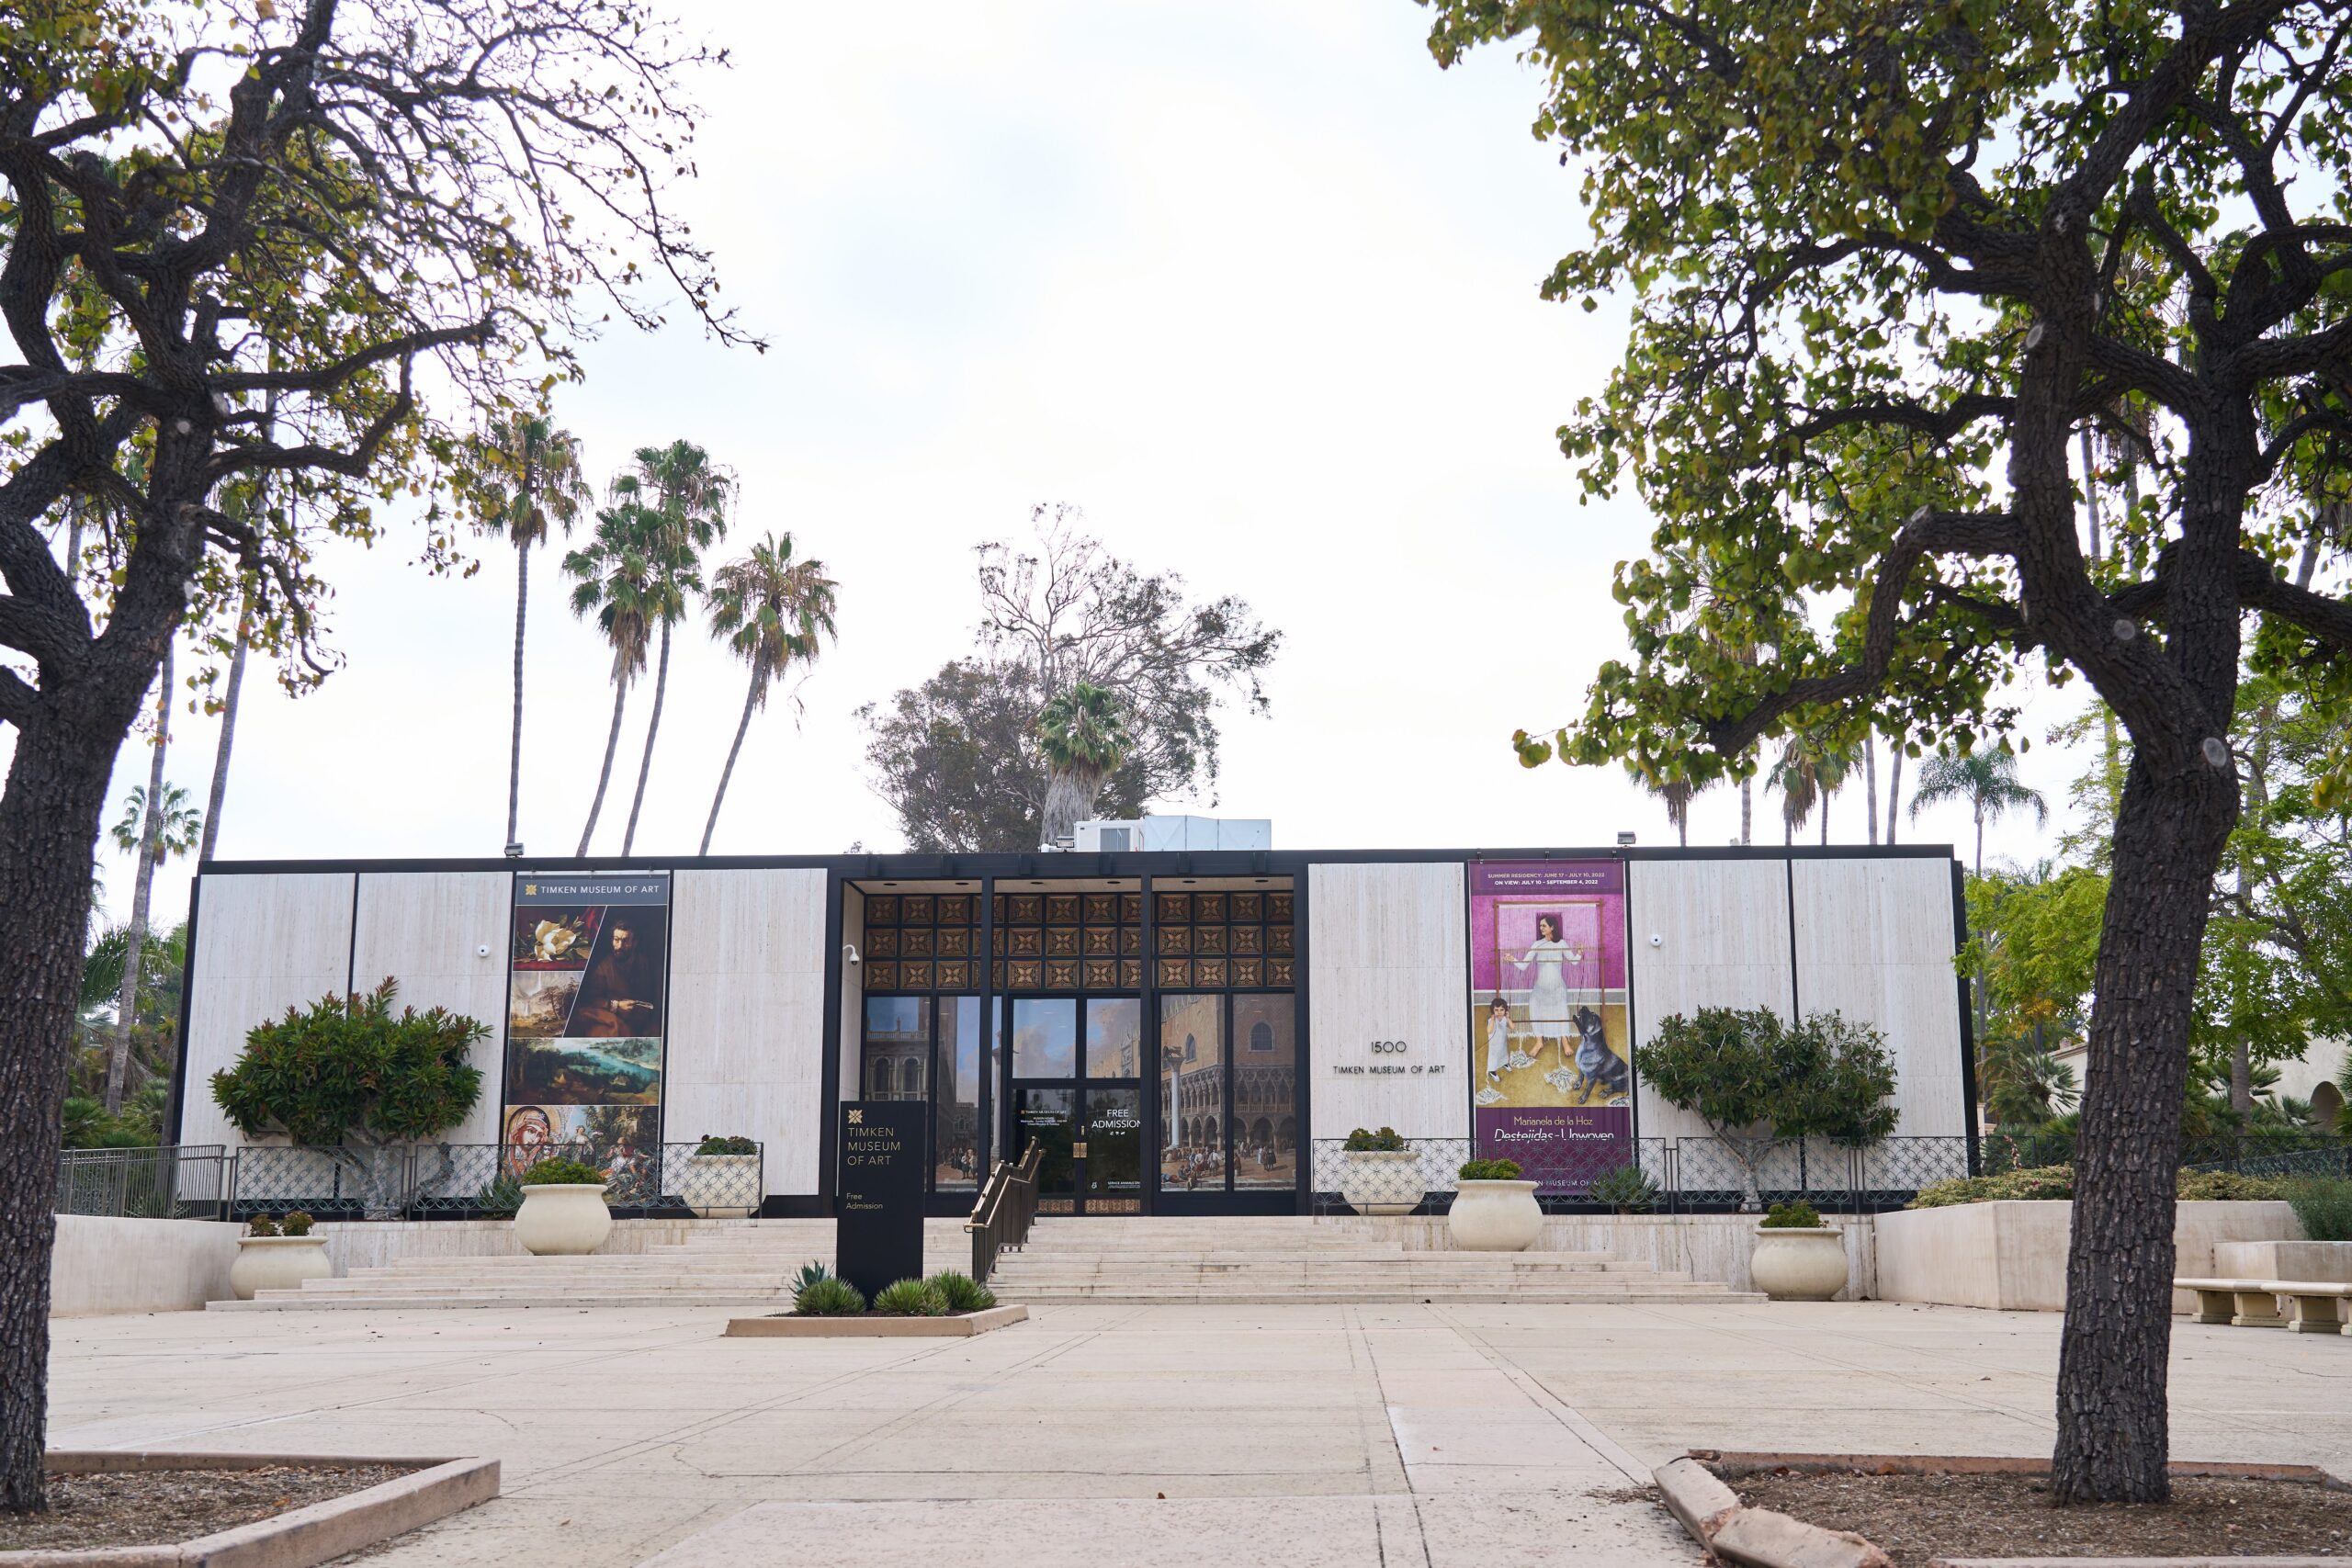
point(1435, 1436)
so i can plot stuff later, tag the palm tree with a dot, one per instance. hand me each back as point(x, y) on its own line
point(684, 496)
point(1987, 781)
point(2023, 1082)
point(1675, 793)
point(774, 612)
point(159, 822)
point(535, 481)
point(613, 577)
point(1807, 774)
point(1083, 735)
point(242, 500)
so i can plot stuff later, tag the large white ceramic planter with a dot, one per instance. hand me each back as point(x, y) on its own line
point(722, 1187)
point(561, 1220)
point(278, 1263)
point(1376, 1181)
point(1799, 1264)
point(1494, 1216)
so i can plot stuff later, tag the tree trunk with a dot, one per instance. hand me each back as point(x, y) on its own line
point(1746, 808)
point(612, 740)
point(218, 794)
point(134, 956)
point(1980, 840)
point(2112, 1439)
point(514, 744)
point(751, 700)
point(49, 822)
point(1869, 786)
point(50, 810)
point(1894, 787)
point(652, 728)
point(1070, 800)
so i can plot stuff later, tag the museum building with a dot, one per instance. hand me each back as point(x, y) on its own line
point(1179, 1030)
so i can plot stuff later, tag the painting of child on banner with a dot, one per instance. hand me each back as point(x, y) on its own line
point(1550, 1038)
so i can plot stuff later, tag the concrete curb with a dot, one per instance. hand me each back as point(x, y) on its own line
point(1719, 1522)
point(302, 1539)
point(875, 1327)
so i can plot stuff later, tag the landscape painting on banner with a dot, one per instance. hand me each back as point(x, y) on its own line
point(1550, 1035)
point(587, 968)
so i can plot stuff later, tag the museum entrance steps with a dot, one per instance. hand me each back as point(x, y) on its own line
point(1264, 1260)
point(1120, 1260)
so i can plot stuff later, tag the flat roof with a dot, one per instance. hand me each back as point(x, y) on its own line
point(908, 866)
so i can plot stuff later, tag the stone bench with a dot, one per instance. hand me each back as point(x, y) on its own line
point(2315, 1306)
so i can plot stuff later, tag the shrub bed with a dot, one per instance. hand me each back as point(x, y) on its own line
point(945, 1294)
point(2057, 1183)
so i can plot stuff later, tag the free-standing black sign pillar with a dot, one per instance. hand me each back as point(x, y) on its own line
point(877, 1233)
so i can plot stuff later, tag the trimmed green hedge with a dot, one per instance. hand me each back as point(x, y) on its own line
point(2057, 1183)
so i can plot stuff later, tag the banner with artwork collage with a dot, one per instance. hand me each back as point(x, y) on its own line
point(586, 1012)
point(1550, 1041)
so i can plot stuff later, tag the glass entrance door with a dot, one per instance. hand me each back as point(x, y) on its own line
point(1112, 1119)
point(1077, 1090)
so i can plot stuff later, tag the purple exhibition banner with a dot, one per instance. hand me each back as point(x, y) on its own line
point(1549, 1033)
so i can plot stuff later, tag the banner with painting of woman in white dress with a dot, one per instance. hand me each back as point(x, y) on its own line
point(1550, 1047)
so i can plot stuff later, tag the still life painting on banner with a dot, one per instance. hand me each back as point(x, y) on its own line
point(1550, 1039)
point(586, 966)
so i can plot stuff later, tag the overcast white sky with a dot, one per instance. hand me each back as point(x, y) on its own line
point(1255, 284)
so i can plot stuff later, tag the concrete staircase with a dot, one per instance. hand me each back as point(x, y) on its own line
point(1252, 1261)
point(1125, 1261)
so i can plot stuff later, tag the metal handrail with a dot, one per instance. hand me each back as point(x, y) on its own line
point(1000, 1218)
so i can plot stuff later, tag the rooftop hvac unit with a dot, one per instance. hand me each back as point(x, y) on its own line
point(1163, 833)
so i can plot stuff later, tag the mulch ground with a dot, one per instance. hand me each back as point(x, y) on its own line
point(1913, 1519)
point(150, 1507)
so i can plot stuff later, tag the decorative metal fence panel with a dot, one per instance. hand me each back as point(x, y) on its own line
point(1691, 1175)
point(1395, 1181)
point(2257, 1151)
point(484, 1181)
point(166, 1183)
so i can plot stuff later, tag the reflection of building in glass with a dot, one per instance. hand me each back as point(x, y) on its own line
point(897, 1048)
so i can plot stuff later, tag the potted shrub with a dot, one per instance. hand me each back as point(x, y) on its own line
point(1493, 1210)
point(352, 1080)
point(278, 1255)
point(1798, 1258)
point(1379, 1174)
point(1625, 1190)
point(723, 1178)
point(563, 1210)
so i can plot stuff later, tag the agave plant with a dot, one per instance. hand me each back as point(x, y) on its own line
point(811, 1273)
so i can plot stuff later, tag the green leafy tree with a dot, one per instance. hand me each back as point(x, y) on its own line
point(348, 1069)
point(154, 1036)
point(1758, 1080)
point(1986, 780)
point(773, 613)
point(1888, 262)
point(313, 241)
point(959, 758)
point(681, 498)
point(1083, 736)
point(530, 480)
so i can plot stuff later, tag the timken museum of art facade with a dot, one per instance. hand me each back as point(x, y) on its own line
point(1182, 1033)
